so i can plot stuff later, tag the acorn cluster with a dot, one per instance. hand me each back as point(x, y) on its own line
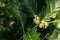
point(40, 23)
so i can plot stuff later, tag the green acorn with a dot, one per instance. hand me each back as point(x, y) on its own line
point(2, 4)
point(43, 24)
point(37, 19)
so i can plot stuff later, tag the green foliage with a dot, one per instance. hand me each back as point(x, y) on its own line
point(32, 35)
point(17, 19)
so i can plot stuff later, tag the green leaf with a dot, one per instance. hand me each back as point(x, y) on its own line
point(51, 10)
point(56, 23)
point(58, 15)
point(54, 36)
point(33, 35)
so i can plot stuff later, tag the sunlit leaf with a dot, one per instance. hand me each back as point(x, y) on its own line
point(33, 35)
